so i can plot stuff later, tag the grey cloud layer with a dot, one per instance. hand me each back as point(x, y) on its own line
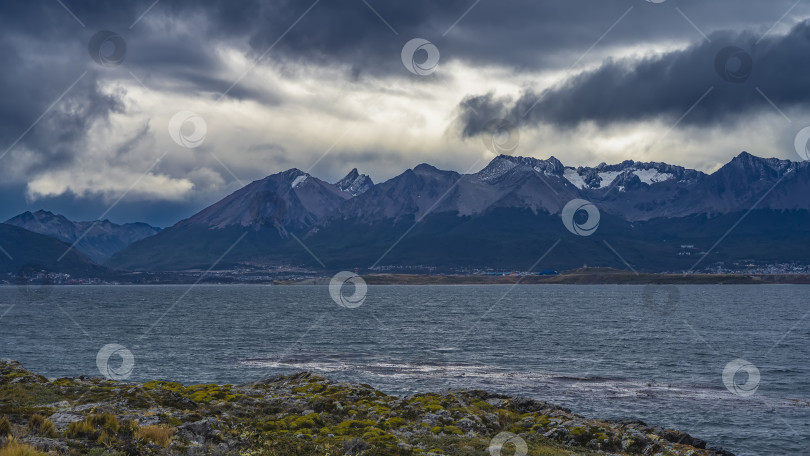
point(45, 48)
point(173, 49)
point(629, 90)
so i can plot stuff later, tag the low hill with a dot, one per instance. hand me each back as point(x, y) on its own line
point(23, 250)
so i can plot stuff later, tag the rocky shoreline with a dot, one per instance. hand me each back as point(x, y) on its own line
point(302, 414)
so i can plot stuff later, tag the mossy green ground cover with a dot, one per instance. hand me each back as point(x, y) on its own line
point(302, 414)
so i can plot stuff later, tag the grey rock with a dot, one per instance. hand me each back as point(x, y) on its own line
point(355, 183)
point(62, 419)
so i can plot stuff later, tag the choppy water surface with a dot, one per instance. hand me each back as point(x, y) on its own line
point(602, 351)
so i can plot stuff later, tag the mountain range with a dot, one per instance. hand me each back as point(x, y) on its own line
point(652, 217)
point(97, 240)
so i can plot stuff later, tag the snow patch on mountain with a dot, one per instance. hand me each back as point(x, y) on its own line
point(298, 181)
point(651, 176)
point(608, 177)
point(544, 171)
point(604, 176)
point(574, 178)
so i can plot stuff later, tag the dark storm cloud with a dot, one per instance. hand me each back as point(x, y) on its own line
point(521, 34)
point(174, 47)
point(631, 90)
point(45, 57)
point(29, 88)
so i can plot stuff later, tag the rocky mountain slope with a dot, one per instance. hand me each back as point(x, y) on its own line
point(256, 220)
point(292, 200)
point(355, 183)
point(98, 241)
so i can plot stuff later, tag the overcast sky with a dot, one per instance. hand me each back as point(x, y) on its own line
point(256, 87)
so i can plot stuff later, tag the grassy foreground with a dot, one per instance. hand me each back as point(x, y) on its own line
point(302, 414)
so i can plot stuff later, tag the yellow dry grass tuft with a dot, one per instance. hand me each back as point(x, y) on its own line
point(159, 435)
point(15, 448)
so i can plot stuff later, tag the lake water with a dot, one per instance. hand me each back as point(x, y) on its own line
point(613, 352)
